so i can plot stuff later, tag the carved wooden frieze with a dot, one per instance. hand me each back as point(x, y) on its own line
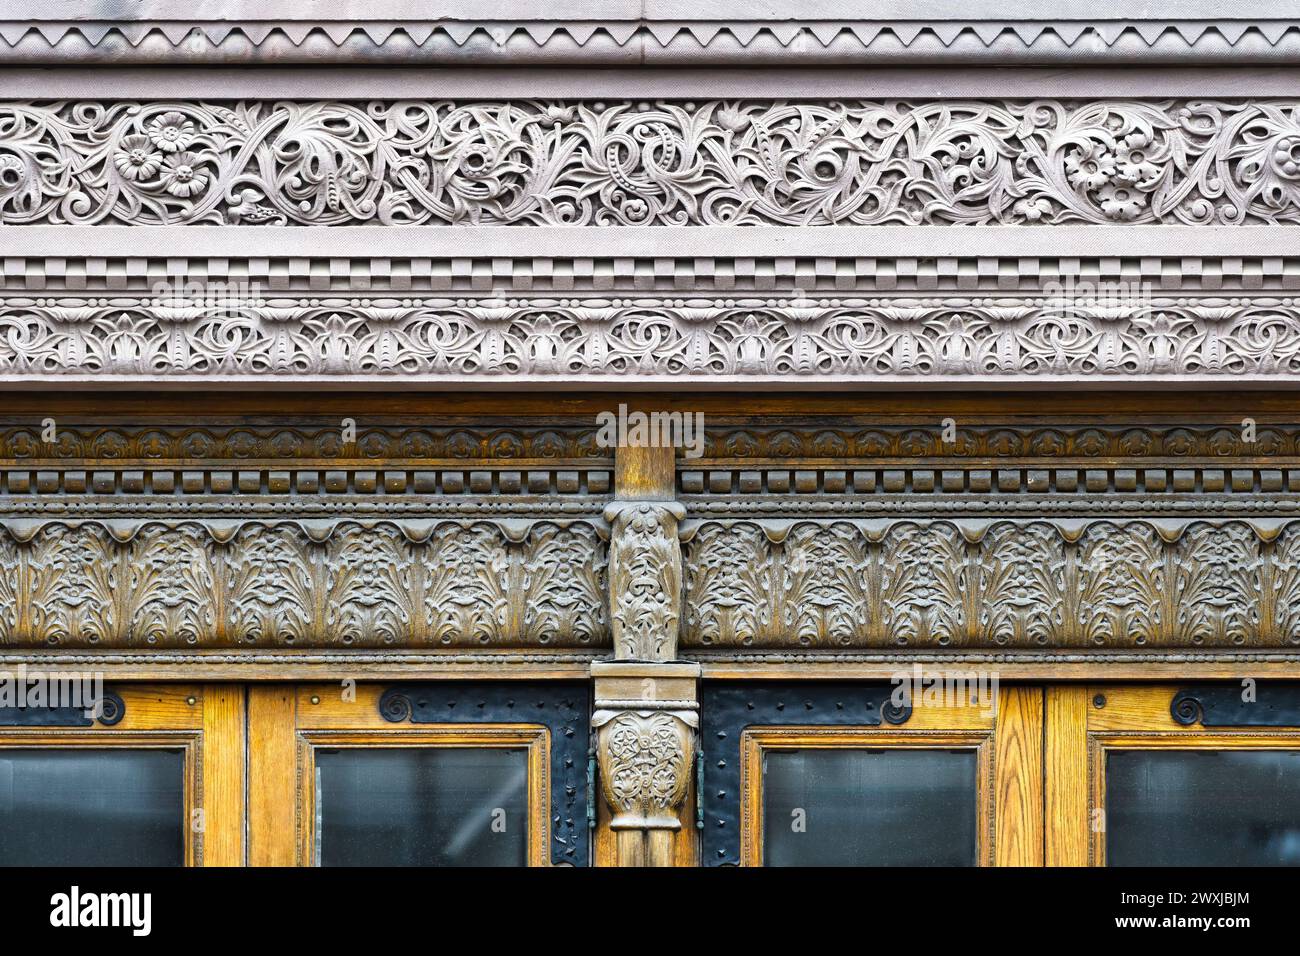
point(992, 583)
point(300, 438)
point(707, 162)
point(470, 583)
point(1102, 439)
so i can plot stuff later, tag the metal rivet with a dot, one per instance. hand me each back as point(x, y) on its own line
point(1099, 701)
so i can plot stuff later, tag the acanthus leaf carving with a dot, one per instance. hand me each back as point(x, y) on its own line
point(270, 583)
point(1015, 585)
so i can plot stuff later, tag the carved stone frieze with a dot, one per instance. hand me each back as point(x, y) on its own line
point(275, 584)
point(708, 162)
point(786, 341)
point(991, 584)
point(645, 578)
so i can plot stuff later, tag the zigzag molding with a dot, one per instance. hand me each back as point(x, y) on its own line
point(659, 43)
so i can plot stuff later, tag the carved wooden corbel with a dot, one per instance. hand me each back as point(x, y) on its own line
point(645, 578)
point(646, 719)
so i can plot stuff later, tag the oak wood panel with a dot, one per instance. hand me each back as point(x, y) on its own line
point(1066, 779)
point(225, 757)
point(160, 707)
point(1132, 707)
point(1018, 782)
point(272, 769)
point(645, 473)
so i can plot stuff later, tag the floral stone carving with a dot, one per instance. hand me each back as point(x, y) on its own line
point(707, 162)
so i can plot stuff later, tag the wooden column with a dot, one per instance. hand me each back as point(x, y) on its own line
point(646, 702)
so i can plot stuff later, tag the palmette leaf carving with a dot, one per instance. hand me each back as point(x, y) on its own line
point(1003, 584)
point(950, 336)
point(273, 584)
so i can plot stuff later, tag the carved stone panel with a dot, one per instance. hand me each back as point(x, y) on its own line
point(707, 162)
point(435, 338)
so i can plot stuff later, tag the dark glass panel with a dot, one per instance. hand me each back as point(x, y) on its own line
point(74, 807)
point(422, 807)
point(848, 807)
point(1202, 808)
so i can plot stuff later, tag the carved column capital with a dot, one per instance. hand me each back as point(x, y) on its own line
point(645, 578)
point(645, 761)
point(645, 720)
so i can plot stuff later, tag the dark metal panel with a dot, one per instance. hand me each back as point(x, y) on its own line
point(728, 707)
point(562, 707)
point(112, 710)
point(1229, 705)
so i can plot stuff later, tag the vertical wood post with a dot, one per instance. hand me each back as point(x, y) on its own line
point(646, 701)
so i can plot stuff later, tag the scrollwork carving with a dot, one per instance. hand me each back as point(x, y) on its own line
point(645, 765)
point(558, 339)
point(712, 162)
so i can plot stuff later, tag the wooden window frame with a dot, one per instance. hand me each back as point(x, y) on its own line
point(756, 741)
point(288, 723)
point(1084, 723)
point(1009, 767)
point(535, 740)
point(206, 723)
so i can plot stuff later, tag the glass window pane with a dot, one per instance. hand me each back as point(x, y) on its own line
point(109, 807)
point(422, 807)
point(848, 807)
point(1203, 808)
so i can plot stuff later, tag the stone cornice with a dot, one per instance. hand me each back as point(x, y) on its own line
point(648, 34)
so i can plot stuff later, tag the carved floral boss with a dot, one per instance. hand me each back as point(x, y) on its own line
point(669, 163)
